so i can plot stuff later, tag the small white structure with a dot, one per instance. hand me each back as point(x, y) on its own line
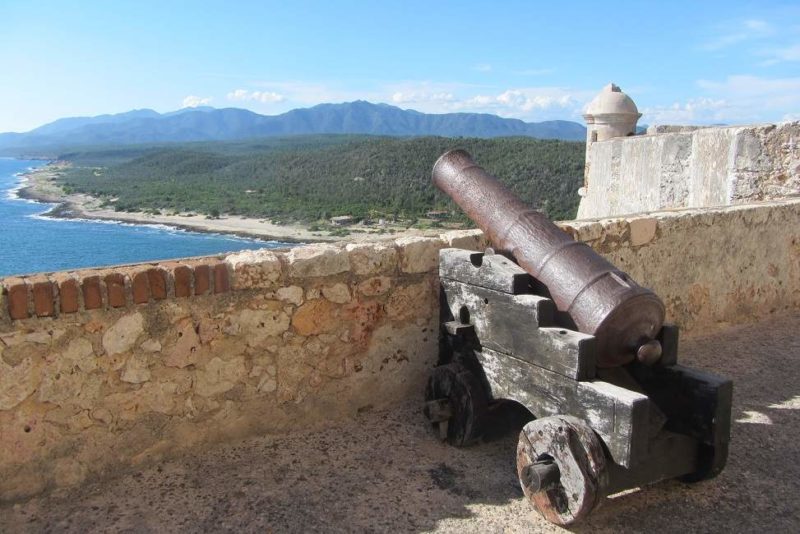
point(437, 214)
point(342, 220)
point(611, 114)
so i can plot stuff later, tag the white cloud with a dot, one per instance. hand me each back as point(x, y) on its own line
point(528, 103)
point(478, 101)
point(193, 101)
point(311, 93)
point(265, 97)
point(401, 97)
point(780, 55)
point(693, 111)
point(764, 91)
point(533, 72)
point(734, 100)
point(526, 100)
point(738, 32)
point(757, 26)
point(482, 67)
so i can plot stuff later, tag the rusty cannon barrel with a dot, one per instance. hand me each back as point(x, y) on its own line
point(602, 300)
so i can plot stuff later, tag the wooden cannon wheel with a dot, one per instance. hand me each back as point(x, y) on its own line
point(456, 403)
point(561, 468)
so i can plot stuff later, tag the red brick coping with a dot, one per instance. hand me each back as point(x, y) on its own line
point(51, 295)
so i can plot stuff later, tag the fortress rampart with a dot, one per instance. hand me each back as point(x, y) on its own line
point(102, 370)
point(675, 167)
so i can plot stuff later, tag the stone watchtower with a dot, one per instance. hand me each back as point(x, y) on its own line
point(612, 113)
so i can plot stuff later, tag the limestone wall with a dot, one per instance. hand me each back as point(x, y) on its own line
point(686, 167)
point(104, 369)
point(711, 267)
point(101, 370)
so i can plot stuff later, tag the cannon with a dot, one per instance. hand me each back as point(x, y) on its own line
point(543, 321)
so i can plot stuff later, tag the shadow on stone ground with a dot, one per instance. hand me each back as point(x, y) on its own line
point(386, 472)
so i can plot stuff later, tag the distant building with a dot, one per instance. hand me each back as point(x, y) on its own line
point(342, 220)
point(437, 214)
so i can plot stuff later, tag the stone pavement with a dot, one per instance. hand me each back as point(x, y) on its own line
point(385, 472)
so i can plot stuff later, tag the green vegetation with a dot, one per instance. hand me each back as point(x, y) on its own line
point(312, 178)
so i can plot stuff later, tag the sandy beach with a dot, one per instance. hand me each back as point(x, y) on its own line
point(40, 185)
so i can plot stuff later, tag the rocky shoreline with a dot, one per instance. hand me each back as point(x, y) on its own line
point(39, 186)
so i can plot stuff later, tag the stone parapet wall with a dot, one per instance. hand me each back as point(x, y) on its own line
point(686, 167)
point(672, 128)
point(265, 341)
point(712, 267)
point(104, 369)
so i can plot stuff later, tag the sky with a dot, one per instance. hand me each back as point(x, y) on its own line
point(683, 62)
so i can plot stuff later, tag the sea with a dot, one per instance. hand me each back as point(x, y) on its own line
point(31, 242)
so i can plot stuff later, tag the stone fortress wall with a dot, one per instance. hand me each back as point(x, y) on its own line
point(102, 370)
point(688, 167)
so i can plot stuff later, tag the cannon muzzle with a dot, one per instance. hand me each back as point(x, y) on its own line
point(602, 300)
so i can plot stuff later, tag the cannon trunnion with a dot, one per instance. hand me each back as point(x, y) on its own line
point(597, 431)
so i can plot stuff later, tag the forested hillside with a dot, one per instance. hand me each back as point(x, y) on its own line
point(317, 177)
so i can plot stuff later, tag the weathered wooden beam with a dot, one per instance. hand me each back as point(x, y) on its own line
point(625, 426)
point(670, 456)
point(457, 328)
point(619, 416)
point(696, 404)
point(668, 337)
point(490, 271)
point(522, 325)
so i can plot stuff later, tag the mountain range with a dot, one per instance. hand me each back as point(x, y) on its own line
point(211, 124)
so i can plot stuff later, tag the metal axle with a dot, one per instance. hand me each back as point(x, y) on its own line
point(541, 475)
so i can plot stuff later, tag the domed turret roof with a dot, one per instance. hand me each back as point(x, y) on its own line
point(611, 100)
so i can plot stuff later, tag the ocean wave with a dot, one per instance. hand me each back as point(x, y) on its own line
point(43, 216)
point(48, 207)
point(13, 193)
point(21, 183)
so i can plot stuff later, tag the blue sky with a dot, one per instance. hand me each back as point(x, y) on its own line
point(703, 61)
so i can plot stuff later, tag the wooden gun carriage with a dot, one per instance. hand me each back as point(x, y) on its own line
point(609, 415)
